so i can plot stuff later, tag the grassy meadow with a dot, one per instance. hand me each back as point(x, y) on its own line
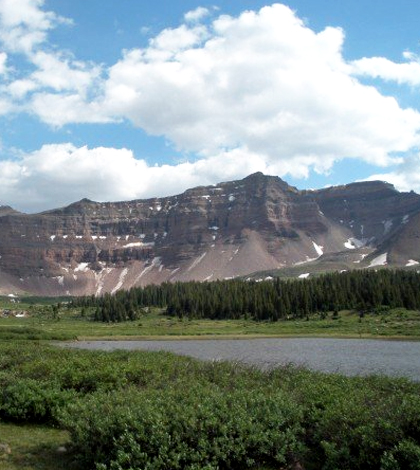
point(68, 324)
point(90, 410)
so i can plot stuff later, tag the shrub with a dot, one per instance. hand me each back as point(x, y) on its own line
point(28, 400)
point(404, 456)
point(195, 428)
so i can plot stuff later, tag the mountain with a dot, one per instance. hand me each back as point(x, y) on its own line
point(232, 229)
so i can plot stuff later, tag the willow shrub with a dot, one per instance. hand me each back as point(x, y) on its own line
point(31, 401)
point(190, 428)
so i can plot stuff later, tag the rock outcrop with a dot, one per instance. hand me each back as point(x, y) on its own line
point(231, 229)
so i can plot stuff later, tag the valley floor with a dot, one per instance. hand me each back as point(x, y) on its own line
point(69, 324)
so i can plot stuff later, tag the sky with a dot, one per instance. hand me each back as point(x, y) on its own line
point(120, 100)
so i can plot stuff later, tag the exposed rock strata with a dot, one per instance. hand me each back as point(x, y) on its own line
point(206, 233)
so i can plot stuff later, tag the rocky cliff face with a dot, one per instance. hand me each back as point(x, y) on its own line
point(231, 229)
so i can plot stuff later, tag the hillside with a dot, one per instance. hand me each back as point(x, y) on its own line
point(231, 229)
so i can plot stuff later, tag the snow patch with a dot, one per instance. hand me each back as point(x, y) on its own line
point(412, 262)
point(214, 228)
point(52, 237)
point(307, 260)
point(82, 267)
point(137, 244)
point(231, 197)
point(405, 219)
point(304, 275)
point(94, 237)
point(362, 257)
point(100, 279)
point(120, 280)
point(353, 243)
point(318, 249)
point(156, 262)
point(380, 260)
point(197, 261)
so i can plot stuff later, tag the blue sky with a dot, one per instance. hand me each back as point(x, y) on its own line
point(132, 99)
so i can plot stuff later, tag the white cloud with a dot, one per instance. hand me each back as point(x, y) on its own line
point(381, 67)
point(61, 74)
point(196, 15)
point(257, 92)
point(175, 40)
point(263, 81)
point(3, 63)
point(59, 110)
point(24, 24)
point(406, 177)
point(59, 174)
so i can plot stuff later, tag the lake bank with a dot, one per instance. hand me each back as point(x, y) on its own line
point(345, 356)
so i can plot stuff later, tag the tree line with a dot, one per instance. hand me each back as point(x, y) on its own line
point(266, 300)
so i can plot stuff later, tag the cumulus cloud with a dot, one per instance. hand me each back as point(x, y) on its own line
point(196, 15)
point(59, 174)
point(264, 81)
point(385, 69)
point(59, 73)
point(406, 177)
point(24, 24)
point(257, 92)
point(24, 27)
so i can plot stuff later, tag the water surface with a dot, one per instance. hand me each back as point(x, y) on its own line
point(345, 356)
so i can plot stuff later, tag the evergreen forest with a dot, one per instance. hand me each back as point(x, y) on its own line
point(269, 300)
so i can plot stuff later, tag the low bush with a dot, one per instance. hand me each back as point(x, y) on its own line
point(190, 428)
point(136, 410)
point(31, 401)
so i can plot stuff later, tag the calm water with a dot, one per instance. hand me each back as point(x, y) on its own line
point(346, 356)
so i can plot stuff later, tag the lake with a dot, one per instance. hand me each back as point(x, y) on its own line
point(345, 356)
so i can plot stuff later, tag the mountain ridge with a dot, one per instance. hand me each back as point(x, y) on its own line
point(230, 229)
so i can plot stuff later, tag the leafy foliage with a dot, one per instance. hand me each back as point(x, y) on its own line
point(186, 429)
point(132, 410)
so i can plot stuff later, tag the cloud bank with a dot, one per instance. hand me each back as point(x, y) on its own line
point(261, 91)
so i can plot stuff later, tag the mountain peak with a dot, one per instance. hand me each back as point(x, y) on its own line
point(211, 232)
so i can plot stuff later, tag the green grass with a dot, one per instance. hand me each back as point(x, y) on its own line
point(35, 447)
point(396, 323)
